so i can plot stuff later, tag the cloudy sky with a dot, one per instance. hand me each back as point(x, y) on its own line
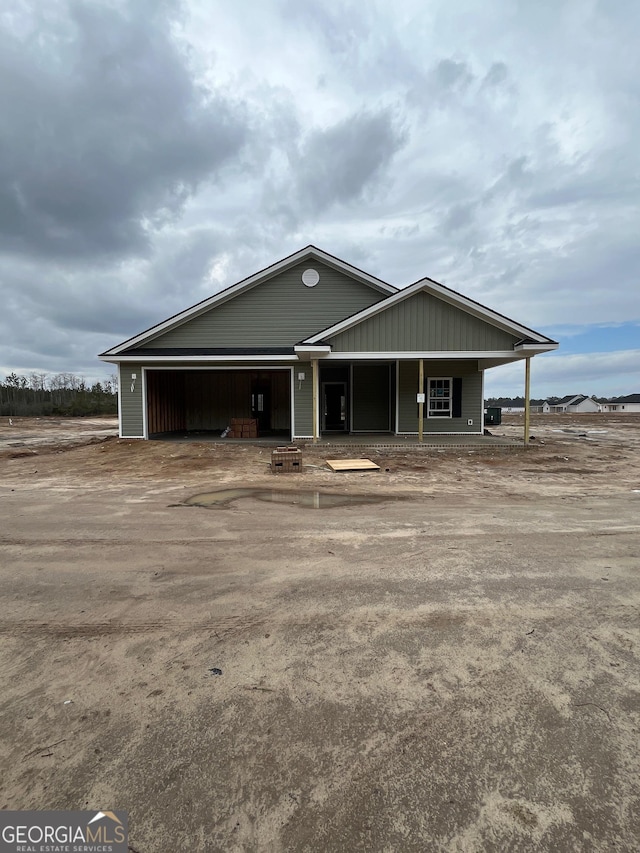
point(154, 151)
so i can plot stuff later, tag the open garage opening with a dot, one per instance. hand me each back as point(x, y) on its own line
point(204, 403)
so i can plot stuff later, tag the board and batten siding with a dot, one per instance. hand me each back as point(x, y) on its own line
point(422, 322)
point(371, 404)
point(280, 311)
point(131, 401)
point(472, 402)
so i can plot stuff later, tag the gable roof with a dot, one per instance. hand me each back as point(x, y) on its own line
point(629, 398)
point(308, 253)
point(571, 400)
point(528, 337)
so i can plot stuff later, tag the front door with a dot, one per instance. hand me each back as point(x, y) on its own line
point(334, 406)
point(261, 404)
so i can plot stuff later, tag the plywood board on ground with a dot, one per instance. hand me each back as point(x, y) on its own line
point(352, 465)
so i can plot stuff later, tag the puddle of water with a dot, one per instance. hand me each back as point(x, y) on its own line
point(310, 500)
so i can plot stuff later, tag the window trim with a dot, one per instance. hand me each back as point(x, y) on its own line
point(439, 417)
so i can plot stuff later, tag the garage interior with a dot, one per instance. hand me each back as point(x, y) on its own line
point(205, 401)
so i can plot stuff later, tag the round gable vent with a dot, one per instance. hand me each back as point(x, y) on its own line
point(310, 277)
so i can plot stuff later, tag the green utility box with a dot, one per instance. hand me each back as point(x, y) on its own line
point(493, 416)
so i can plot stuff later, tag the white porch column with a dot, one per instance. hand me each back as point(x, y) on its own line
point(527, 396)
point(315, 397)
point(421, 397)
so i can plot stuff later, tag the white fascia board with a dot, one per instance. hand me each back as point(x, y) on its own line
point(536, 348)
point(311, 351)
point(310, 252)
point(205, 359)
point(442, 292)
point(439, 355)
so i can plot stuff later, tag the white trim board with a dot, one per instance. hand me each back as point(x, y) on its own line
point(166, 366)
point(431, 355)
point(448, 379)
point(291, 371)
point(207, 359)
point(145, 413)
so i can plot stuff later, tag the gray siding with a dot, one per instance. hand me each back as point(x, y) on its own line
point(131, 402)
point(472, 402)
point(370, 394)
point(277, 312)
point(422, 322)
point(303, 399)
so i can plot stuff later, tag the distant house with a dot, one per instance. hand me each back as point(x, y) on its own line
point(572, 403)
point(312, 346)
point(630, 403)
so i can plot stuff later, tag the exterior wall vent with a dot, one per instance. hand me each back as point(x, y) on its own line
point(310, 277)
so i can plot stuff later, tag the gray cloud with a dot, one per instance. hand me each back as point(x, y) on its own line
point(459, 216)
point(497, 74)
point(365, 58)
point(105, 133)
point(339, 164)
point(451, 76)
point(152, 152)
point(342, 28)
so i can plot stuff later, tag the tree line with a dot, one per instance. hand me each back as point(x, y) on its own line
point(63, 394)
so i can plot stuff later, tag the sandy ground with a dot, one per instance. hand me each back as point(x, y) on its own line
point(457, 669)
point(23, 436)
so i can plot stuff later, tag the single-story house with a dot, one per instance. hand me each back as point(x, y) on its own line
point(312, 346)
point(572, 403)
point(629, 403)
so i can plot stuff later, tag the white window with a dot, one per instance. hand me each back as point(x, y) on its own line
point(440, 398)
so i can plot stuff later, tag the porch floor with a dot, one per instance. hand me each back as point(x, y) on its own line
point(396, 441)
point(356, 440)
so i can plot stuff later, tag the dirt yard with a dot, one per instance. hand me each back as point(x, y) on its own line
point(456, 668)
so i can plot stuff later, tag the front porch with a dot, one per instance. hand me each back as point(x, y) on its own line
point(355, 441)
